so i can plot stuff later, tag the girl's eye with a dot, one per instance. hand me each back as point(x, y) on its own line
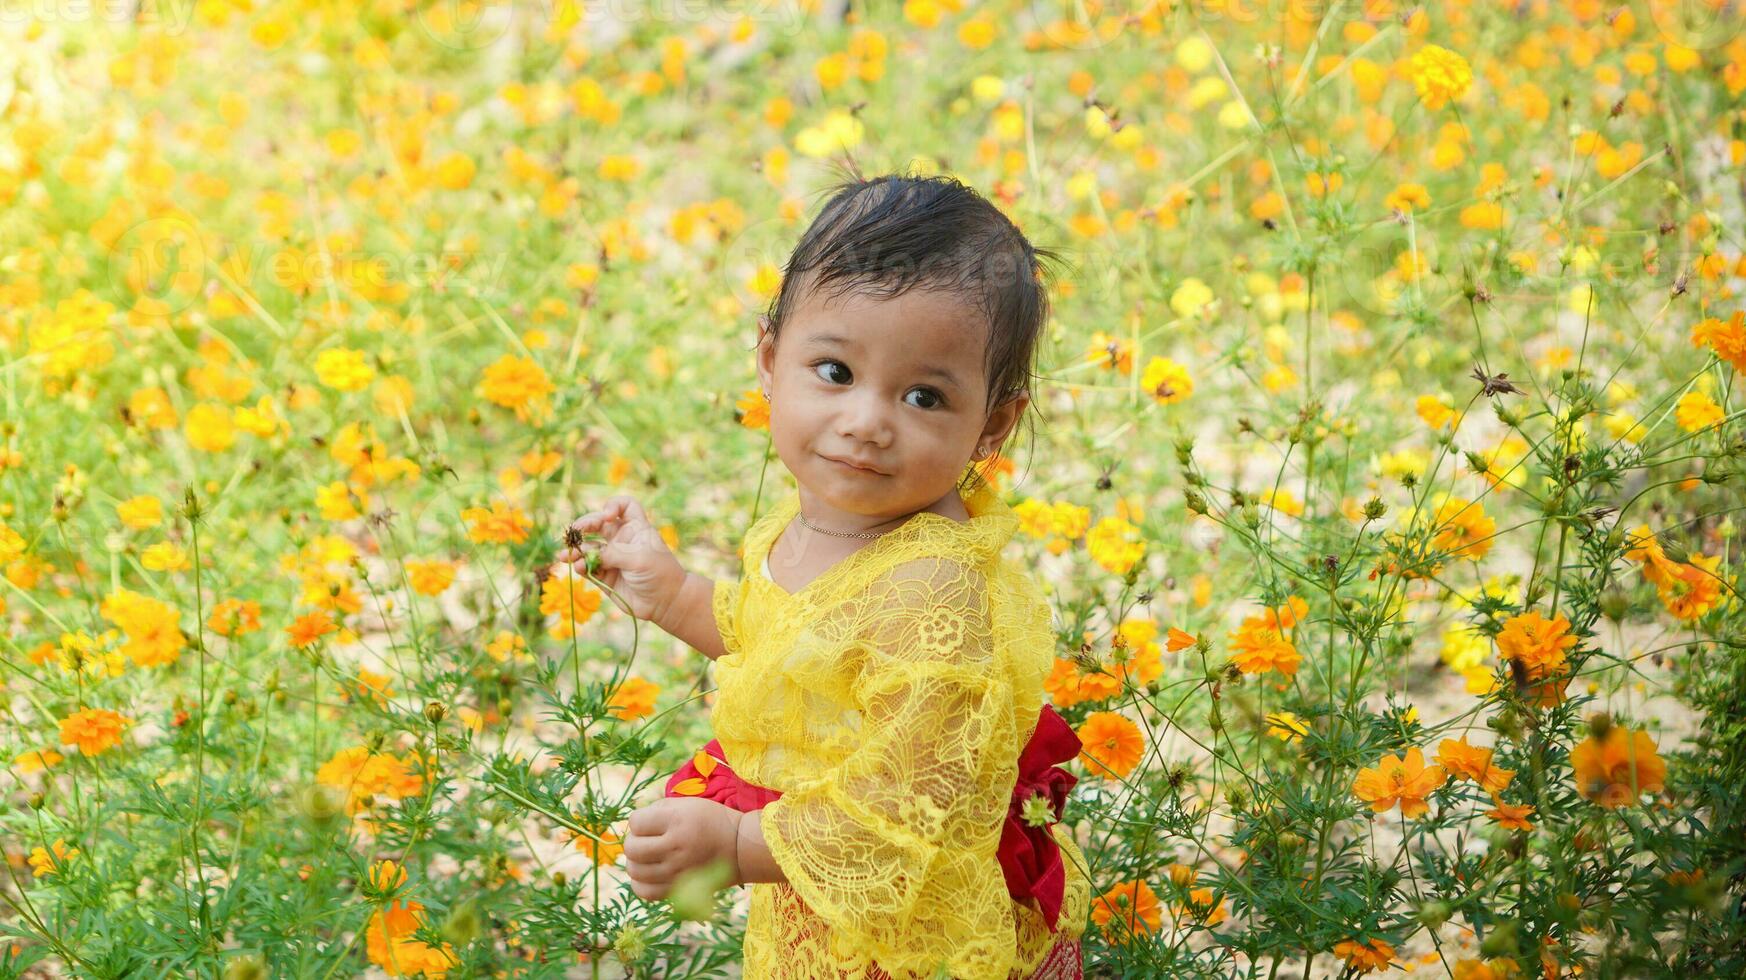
point(928, 393)
point(822, 364)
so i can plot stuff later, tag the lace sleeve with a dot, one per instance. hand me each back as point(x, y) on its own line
point(725, 602)
point(895, 847)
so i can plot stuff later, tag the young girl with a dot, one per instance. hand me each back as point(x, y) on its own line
point(884, 771)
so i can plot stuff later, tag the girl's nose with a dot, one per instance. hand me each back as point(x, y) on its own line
point(864, 419)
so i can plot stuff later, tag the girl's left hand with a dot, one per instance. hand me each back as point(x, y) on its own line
point(673, 835)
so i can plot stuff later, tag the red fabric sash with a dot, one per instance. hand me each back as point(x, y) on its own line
point(1030, 858)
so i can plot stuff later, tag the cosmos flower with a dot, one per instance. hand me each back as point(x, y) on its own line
point(1397, 781)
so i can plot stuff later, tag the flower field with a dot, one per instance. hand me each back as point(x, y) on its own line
point(1385, 483)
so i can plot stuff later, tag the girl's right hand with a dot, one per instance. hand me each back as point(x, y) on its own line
point(635, 561)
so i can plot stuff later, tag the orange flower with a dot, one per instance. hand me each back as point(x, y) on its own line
point(390, 945)
point(1113, 744)
point(633, 699)
point(606, 851)
point(1463, 529)
point(1501, 968)
point(569, 597)
point(234, 617)
point(310, 627)
point(1728, 339)
point(1510, 817)
point(1690, 590)
point(1204, 907)
point(752, 409)
point(1464, 761)
point(1395, 780)
point(1256, 649)
point(502, 523)
point(363, 774)
point(1365, 957)
point(1071, 682)
point(93, 730)
point(1177, 640)
point(1259, 643)
point(1612, 770)
point(1536, 641)
point(1131, 906)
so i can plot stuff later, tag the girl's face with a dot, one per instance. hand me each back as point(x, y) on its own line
point(877, 405)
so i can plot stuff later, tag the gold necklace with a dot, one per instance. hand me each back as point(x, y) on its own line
point(846, 534)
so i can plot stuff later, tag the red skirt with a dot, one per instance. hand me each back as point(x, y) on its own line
point(1030, 859)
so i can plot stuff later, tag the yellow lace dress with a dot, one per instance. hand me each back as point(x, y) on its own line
point(887, 700)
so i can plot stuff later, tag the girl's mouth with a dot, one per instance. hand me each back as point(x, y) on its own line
point(852, 467)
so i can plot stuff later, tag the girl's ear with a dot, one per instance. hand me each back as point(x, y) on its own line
point(1005, 415)
point(766, 353)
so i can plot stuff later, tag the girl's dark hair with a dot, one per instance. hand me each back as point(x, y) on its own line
point(883, 236)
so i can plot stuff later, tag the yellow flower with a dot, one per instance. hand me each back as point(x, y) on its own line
point(343, 369)
point(209, 429)
point(338, 502)
point(165, 556)
point(1286, 727)
point(140, 512)
point(1110, 353)
point(1035, 517)
point(1190, 298)
point(1166, 381)
point(37, 760)
point(431, 577)
point(44, 863)
point(154, 637)
point(386, 877)
point(455, 172)
point(517, 383)
point(1408, 197)
point(1112, 545)
point(1465, 648)
point(839, 131)
point(1436, 413)
point(506, 646)
point(1439, 75)
point(1697, 410)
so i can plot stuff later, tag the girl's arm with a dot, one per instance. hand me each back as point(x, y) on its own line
point(690, 616)
point(751, 856)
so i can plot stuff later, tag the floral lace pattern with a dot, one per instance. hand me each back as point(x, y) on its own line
point(887, 701)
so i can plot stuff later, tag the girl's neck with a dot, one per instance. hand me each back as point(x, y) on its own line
point(819, 512)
